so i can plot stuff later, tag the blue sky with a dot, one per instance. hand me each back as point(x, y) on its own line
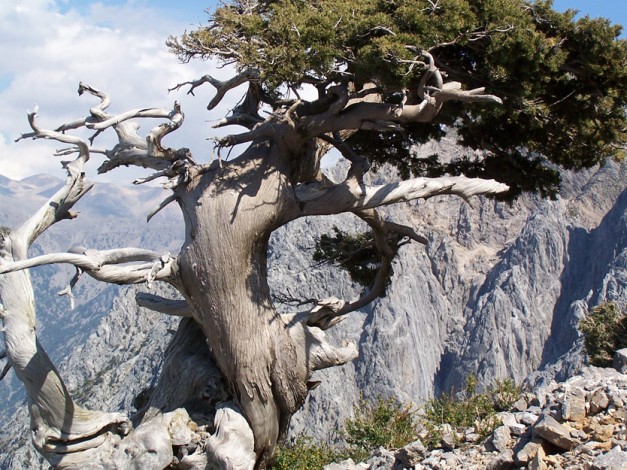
point(48, 46)
point(615, 10)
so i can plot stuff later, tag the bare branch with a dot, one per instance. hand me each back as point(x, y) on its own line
point(432, 72)
point(369, 115)
point(59, 206)
point(178, 308)
point(263, 130)
point(133, 156)
point(325, 314)
point(359, 164)
point(155, 149)
point(68, 289)
point(160, 207)
point(387, 249)
point(452, 92)
point(135, 113)
point(104, 265)
point(222, 87)
point(349, 196)
point(97, 113)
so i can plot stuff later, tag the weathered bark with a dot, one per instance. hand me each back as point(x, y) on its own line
point(230, 214)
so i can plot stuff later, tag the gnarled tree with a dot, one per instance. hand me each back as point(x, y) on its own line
point(368, 78)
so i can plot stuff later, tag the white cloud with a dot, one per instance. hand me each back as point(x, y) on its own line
point(47, 47)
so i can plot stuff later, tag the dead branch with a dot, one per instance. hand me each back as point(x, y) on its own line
point(58, 207)
point(222, 87)
point(178, 308)
point(348, 196)
point(105, 265)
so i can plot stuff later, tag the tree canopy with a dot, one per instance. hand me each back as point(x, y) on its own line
point(561, 80)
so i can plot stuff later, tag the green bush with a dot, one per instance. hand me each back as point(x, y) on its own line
point(605, 331)
point(304, 454)
point(468, 409)
point(384, 423)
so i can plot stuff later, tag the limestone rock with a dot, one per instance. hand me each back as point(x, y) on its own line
point(555, 433)
point(411, 454)
point(574, 405)
point(382, 459)
point(598, 402)
point(620, 361)
point(504, 461)
point(501, 438)
point(528, 451)
point(616, 459)
point(537, 463)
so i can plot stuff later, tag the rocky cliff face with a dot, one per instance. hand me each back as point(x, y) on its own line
point(497, 292)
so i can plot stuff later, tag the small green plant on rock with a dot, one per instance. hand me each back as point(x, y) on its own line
point(468, 409)
point(384, 423)
point(605, 331)
point(305, 454)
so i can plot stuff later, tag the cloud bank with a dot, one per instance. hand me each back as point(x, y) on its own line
point(48, 47)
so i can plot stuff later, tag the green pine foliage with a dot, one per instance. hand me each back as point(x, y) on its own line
point(605, 331)
point(562, 80)
point(355, 253)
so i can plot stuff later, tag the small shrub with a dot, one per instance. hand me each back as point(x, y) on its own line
point(468, 409)
point(304, 454)
point(605, 331)
point(504, 394)
point(384, 423)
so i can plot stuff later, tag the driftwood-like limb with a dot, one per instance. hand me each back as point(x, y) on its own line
point(5, 371)
point(135, 113)
point(307, 330)
point(233, 440)
point(97, 113)
point(246, 113)
point(384, 116)
point(162, 205)
point(68, 289)
point(149, 447)
point(222, 87)
point(359, 164)
point(262, 131)
point(155, 149)
point(132, 157)
point(324, 314)
point(58, 206)
point(58, 424)
point(387, 236)
point(177, 308)
point(347, 196)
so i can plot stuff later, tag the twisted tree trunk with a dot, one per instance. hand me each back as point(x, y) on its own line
point(229, 215)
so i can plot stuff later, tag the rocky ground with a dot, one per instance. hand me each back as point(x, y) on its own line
point(577, 424)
